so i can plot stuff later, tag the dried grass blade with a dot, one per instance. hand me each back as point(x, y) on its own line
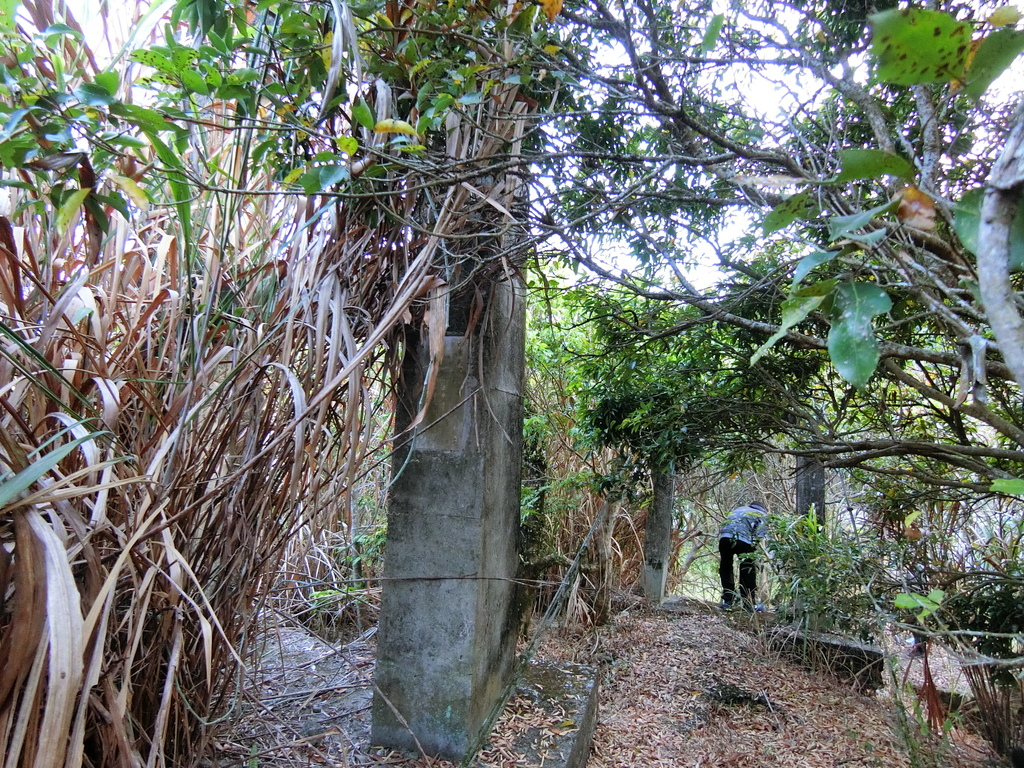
point(298, 426)
point(29, 612)
point(59, 492)
point(176, 560)
point(64, 622)
point(27, 714)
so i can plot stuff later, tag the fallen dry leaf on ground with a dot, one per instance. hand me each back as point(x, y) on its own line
point(684, 686)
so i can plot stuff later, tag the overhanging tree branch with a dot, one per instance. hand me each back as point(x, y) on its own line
point(1002, 199)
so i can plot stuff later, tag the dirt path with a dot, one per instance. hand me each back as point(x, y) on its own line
point(696, 687)
point(689, 686)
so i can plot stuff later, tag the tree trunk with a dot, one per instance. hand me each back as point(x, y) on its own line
point(658, 537)
point(810, 488)
point(603, 572)
point(1002, 198)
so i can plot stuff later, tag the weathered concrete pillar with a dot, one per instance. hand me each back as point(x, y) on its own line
point(447, 633)
point(810, 487)
point(658, 537)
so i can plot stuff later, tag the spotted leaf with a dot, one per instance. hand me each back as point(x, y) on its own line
point(916, 45)
point(155, 60)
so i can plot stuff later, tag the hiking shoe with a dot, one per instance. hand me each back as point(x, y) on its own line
point(726, 605)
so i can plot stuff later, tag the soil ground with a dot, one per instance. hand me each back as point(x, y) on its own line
point(687, 686)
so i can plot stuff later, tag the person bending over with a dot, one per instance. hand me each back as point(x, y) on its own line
point(743, 529)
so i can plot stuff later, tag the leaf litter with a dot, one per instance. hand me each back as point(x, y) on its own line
point(683, 686)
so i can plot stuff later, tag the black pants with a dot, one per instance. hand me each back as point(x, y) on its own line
point(728, 548)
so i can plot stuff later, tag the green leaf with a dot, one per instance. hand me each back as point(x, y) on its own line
point(93, 95)
point(348, 144)
point(318, 179)
point(156, 60)
point(180, 191)
point(60, 30)
point(995, 54)
point(443, 102)
point(183, 58)
point(7, 11)
point(218, 42)
point(127, 140)
point(239, 92)
point(108, 81)
point(167, 155)
point(873, 237)
point(1009, 486)
point(967, 219)
point(70, 207)
point(13, 121)
point(864, 300)
point(810, 261)
point(786, 212)
point(194, 82)
point(115, 201)
point(711, 35)
point(30, 474)
point(202, 15)
point(426, 123)
point(916, 45)
point(923, 604)
point(135, 193)
point(361, 114)
point(851, 340)
point(906, 601)
point(145, 118)
point(93, 206)
point(840, 226)
point(794, 310)
point(872, 164)
point(244, 75)
point(159, 77)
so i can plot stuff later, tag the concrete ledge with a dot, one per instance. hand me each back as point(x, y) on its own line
point(566, 696)
point(843, 657)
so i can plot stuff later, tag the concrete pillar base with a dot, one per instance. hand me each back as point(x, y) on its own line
point(449, 620)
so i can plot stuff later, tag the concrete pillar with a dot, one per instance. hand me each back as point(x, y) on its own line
point(448, 623)
point(810, 487)
point(658, 537)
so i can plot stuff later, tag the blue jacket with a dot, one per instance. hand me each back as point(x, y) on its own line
point(745, 524)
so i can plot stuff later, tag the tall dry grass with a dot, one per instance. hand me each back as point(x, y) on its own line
point(185, 431)
point(194, 394)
